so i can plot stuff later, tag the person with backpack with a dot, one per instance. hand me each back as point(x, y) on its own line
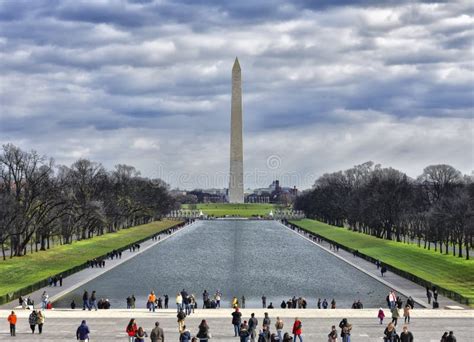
point(131, 330)
point(332, 336)
point(236, 321)
point(297, 330)
point(12, 319)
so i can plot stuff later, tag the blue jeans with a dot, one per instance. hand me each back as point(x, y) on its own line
point(179, 306)
point(346, 338)
point(85, 304)
point(237, 329)
point(299, 336)
point(93, 304)
point(280, 338)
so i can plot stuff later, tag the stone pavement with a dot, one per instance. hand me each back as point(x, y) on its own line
point(80, 278)
point(109, 325)
point(392, 280)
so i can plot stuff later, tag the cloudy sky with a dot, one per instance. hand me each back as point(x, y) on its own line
point(326, 86)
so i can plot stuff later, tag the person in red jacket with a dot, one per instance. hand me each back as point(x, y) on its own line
point(297, 330)
point(131, 330)
point(12, 320)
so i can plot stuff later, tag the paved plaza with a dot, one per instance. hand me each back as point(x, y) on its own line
point(109, 325)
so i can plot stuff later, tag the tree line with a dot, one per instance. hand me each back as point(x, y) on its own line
point(40, 200)
point(435, 209)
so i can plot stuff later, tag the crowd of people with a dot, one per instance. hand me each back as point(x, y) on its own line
point(245, 330)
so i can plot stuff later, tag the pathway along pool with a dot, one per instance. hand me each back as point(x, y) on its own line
point(250, 258)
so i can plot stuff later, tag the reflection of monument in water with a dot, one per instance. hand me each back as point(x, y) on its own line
point(236, 175)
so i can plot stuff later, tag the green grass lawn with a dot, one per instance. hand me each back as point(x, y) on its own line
point(452, 273)
point(23, 271)
point(230, 209)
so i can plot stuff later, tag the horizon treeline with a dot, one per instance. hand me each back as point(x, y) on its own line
point(435, 209)
point(41, 201)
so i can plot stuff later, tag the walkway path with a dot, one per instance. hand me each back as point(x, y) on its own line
point(392, 280)
point(109, 325)
point(82, 277)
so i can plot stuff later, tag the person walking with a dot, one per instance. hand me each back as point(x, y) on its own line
point(167, 298)
point(297, 330)
point(203, 332)
point(406, 336)
point(82, 332)
point(395, 315)
point(406, 313)
point(390, 334)
point(253, 323)
point(85, 300)
point(381, 315)
point(264, 302)
point(157, 334)
point(333, 303)
point(243, 302)
point(332, 336)
point(185, 335)
point(40, 321)
point(93, 301)
point(12, 319)
point(131, 330)
point(32, 320)
point(140, 335)
point(279, 327)
point(236, 321)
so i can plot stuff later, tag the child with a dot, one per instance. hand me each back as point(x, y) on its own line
point(381, 315)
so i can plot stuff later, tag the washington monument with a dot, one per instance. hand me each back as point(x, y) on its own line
point(236, 176)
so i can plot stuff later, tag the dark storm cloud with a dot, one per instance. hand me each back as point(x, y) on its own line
point(148, 82)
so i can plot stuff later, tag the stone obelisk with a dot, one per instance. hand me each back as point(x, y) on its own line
point(236, 176)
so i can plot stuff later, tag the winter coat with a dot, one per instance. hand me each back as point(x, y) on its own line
point(203, 331)
point(131, 331)
point(297, 327)
point(395, 313)
point(40, 319)
point(157, 335)
point(279, 324)
point(381, 314)
point(82, 332)
point(236, 317)
point(185, 336)
point(32, 318)
point(406, 337)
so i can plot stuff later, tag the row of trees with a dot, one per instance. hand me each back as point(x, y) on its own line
point(436, 208)
point(40, 200)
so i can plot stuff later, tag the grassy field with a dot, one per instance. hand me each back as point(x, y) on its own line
point(452, 273)
point(229, 209)
point(22, 271)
